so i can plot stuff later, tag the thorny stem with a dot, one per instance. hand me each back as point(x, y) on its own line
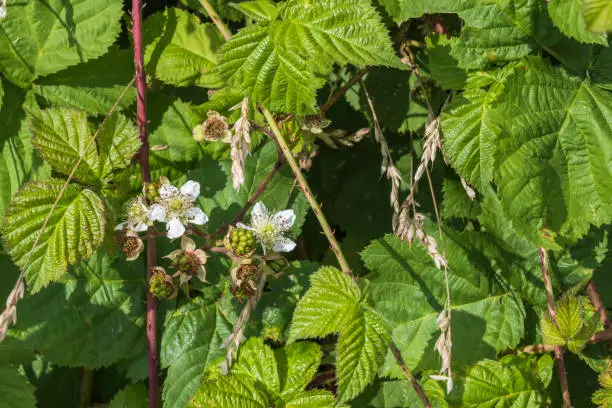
point(550, 300)
point(598, 303)
point(225, 32)
point(417, 387)
point(141, 116)
point(316, 208)
point(335, 97)
point(331, 238)
point(4, 317)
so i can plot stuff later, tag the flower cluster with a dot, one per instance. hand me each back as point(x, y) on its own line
point(164, 203)
point(176, 207)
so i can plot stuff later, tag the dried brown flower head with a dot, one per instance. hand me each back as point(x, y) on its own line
point(214, 128)
point(131, 245)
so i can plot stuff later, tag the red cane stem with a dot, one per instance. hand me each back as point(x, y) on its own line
point(141, 117)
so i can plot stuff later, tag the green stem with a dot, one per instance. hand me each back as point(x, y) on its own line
point(307, 192)
point(212, 14)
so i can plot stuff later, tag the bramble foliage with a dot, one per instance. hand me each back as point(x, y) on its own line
point(490, 122)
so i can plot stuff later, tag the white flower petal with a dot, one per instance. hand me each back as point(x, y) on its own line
point(184, 278)
point(119, 227)
point(201, 274)
point(284, 244)
point(140, 227)
point(196, 216)
point(244, 226)
point(157, 213)
point(167, 190)
point(259, 213)
point(284, 219)
point(175, 228)
point(187, 244)
point(142, 204)
point(191, 189)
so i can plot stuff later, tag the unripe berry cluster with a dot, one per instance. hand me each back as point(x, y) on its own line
point(160, 287)
point(243, 241)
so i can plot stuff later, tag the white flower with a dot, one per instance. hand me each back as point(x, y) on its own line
point(269, 228)
point(176, 207)
point(137, 217)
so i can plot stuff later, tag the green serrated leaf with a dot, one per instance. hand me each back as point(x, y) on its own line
point(442, 66)
point(19, 161)
point(257, 361)
point(264, 378)
point(73, 232)
point(567, 15)
point(62, 137)
point(311, 399)
point(258, 10)
point(335, 31)
point(468, 136)
point(229, 392)
point(331, 302)
point(403, 10)
point(512, 382)
point(569, 316)
point(180, 50)
point(597, 15)
point(362, 347)
point(43, 37)
point(16, 391)
point(550, 333)
point(297, 365)
point(132, 396)
point(558, 152)
point(501, 32)
point(280, 79)
point(456, 203)
point(409, 291)
point(74, 87)
point(87, 308)
point(191, 341)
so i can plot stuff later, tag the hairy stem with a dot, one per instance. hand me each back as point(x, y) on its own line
point(330, 236)
point(316, 208)
point(335, 97)
point(141, 117)
point(598, 303)
point(553, 317)
point(212, 14)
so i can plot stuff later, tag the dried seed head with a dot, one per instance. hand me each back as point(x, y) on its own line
point(244, 281)
point(132, 245)
point(214, 128)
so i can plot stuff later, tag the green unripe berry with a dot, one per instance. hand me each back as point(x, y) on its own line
point(243, 241)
